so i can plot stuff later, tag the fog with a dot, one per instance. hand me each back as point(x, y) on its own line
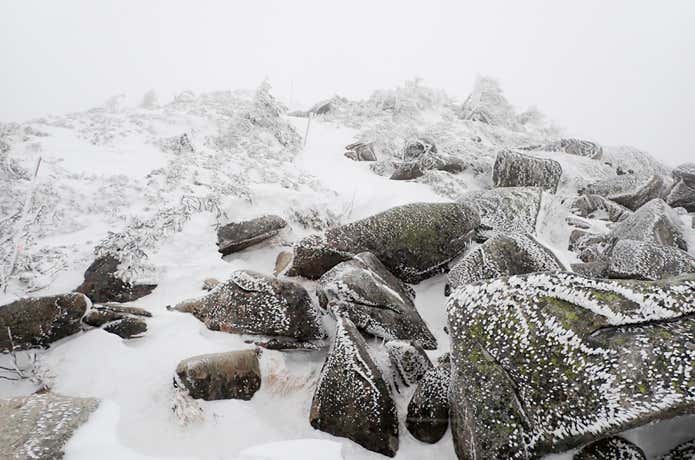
point(617, 72)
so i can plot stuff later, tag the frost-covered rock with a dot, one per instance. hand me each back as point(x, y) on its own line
point(407, 171)
point(228, 375)
point(360, 151)
point(686, 173)
point(654, 222)
point(503, 255)
point(240, 235)
point(352, 399)
point(613, 448)
point(39, 321)
point(418, 147)
point(683, 192)
point(508, 209)
point(414, 241)
point(629, 190)
point(428, 409)
point(647, 261)
point(254, 303)
point(127, 328)
point(635, 161)
point(39, 426)
point(514, 169)
point(595, 269)
point(98, 315)
point(375, 300)
point(409, 359)
point(546, 362)
point(102, 284)
point(596, 206)
point(577, 147)
point(685, 451)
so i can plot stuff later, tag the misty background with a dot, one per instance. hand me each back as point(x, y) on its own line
point(619, 72)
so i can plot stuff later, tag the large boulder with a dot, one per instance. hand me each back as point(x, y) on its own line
point(685, 451)
point(352, 399)
point(254, 303)
point(686, 173)
point(377, 302)
point(682, 195)
point(629, 190)
point(39, 321)
point(240, 235)
point(39, 426)
point(503, 255)
point(647, 261)
point(125, 322)
point(546, 362)
point(416, 148)
point(228, 375)
point(654, 222)
point(596, 206)
point(514, 169)
point(428, 409)
point(360, 151)
point(409, 359)
point(577, 147)
point(414, 241)
point(613, 448)
point(508, 209)
point(102, 283)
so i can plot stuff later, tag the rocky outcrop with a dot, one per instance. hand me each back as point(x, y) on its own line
point(352, 399)
point(613, 448)
point(428, 410)
point(240, 235)
point(253, 303)
point(409, 359)
point(39, 321)
point(503, 255)
point(377, 302)
point(414, 241)
point(508, 209)
point(514, 169)
point(629, 190)
point(360, 151)
point(39, 426)
point(685, 451)
point(647, 261)
point(102, 284)
point(229, 375)
point(546, 362)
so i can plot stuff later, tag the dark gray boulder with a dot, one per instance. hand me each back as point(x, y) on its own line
point(417, 148)
point(576, 147)
point(596, 269)
point(240, 235)
point(229, 375)
point(514, 169)
point(377, 302)
point(596, 206)
point(613, 448)
point(428, 409)
point(39, 426)
point(352, 399)
point(686, 173)
point(102, 284)
point(508, 209)
point(647, 261)
point(629, 190)
point(39, 321)
point(685, 451)
point(253, 303)
point(682, 195)
point(360, 151)
point(406, 171)
point(409, 359)
point(503, 255)
point(98, 315)
point(127, 328)
point(414, 241)
point(546, 362)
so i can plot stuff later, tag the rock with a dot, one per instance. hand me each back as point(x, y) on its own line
point(685, 451)
point(577, 147)
point(629, 190)
point(377, 302)
point(518, 170)
point(613, 448)
point(352, 399)
point(127, 328)
point(39, 321)
point(428, 410)
point(509, 209)
point(360, 151)
point(240, 235)
point(39, 426)
point(285, 344)
point(596, 269)
point(654, 222)
point(229, 375)
point(647, 261)
point(210, 283)
point(407, 171)
point(415, 149)
point(253, 303)
point(101, 284)
point(409, 359)
point(682, 195)
point(503, 255)
point(596, 206)
point(99, 315)
point(414, 241)
point(577, 222)
point(546, 362)
point(283, 260)
point(686, 173)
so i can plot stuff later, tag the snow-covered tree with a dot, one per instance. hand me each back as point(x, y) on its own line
point(487, 104)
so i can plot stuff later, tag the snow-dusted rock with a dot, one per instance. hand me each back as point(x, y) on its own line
point(629, 190)
point(352, 399)
point(409, 359)
point(613, 448)
point(682, 195)
point(503, 255)
point(102, 284)
point(596, 206)
point(514, 169)
point(127, 328)
point(647, 261)
point(98, 315)
point(39, 426)
point(508, 209)
point(654, 222)
point(634, 161)
point(685, 451)
point(418, 147)
point(414, 241)
point(595, 269)
point(549, 361)
point(228, 375)
point(360, 151)
point(577, 147)
point(254, 303)
point(39, 321)
point(428, 409)
point(407, 171)
point(240, 235)
point(686, 173)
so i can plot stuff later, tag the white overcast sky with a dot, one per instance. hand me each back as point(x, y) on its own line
point(620, 72)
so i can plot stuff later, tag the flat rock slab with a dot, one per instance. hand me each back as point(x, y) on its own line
point(241, 235)
point(102, 284)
